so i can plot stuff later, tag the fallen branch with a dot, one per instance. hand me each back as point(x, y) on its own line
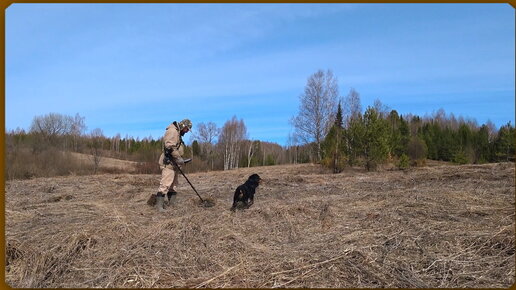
point(292, 280)
point(218, 276)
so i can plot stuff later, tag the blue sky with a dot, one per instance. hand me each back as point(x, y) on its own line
point(134, 68)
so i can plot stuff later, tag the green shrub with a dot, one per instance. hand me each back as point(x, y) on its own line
point(460, 157)
point(403, 162)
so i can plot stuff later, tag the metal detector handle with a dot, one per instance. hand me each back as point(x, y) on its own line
point(179, 168)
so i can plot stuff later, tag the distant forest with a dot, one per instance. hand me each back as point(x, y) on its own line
point(330, 130)
point(370, 139)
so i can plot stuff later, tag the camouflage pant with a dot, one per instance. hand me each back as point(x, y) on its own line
point(169, 179)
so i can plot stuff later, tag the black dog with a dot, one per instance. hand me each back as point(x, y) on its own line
point(244, 194)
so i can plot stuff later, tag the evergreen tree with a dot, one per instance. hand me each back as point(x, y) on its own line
point(354, 138)
point(504, 143)
point(417, 150)
point(465, 136)
point(338, 117)
point(376, 146)
point(398, 134)
point(482, 146)
point(404, 136)
point(430, 133)
point(333, 148)
point(333, 145)
point(447, 144)
point(196, 149)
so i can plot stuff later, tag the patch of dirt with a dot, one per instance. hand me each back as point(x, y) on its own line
point(436, 226)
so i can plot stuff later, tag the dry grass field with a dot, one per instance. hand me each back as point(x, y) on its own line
point(106, 162)
point(437, 226)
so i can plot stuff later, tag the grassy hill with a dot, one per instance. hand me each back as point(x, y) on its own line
point(439, 226)
point(107, 163)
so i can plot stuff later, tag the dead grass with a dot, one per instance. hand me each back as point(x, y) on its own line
point(439, 226)
point(106, 163)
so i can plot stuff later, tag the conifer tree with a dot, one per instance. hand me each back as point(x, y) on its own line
point(481, 145)
point(504, 143)
point(376, 146)
point(333, 146)
point(355, 137)
point(338, 117)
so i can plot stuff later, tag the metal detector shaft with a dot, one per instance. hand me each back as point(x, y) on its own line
point(171, 159)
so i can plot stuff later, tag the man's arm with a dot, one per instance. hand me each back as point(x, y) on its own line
point(177, 157)
point(171, 143)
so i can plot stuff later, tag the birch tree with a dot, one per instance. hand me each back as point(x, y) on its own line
point(352, 107)
point(232, 134)
point(78, 126)
point(292, 148)
point(252, 148)
point(206, 134)
point(316, 109)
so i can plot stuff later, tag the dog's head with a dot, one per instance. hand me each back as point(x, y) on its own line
point(255, 179)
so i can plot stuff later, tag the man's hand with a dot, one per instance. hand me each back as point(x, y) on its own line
point(180, 161)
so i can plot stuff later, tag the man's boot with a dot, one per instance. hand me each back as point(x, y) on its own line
point(159, 201)
point(171, 197)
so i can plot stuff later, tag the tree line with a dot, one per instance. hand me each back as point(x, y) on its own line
point(341, 135)
point(48, 147)
point(328, 129)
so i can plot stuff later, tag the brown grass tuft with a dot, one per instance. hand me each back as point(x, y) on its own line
point(206, 201)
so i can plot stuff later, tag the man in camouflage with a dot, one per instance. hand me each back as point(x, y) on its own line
point(173, 150)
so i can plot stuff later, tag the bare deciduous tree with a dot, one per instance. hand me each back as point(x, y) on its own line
point(51, 126)
point(492, 130)
point(316, 109)
point(352, 107)
point(440, 118)
point(116, 143)
point(252, 148)
point(232, 134)
point(57, 129)
point(95, 144)
point(77, 128)
point(292, 148)
point(206, 134)
point(381, 108)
